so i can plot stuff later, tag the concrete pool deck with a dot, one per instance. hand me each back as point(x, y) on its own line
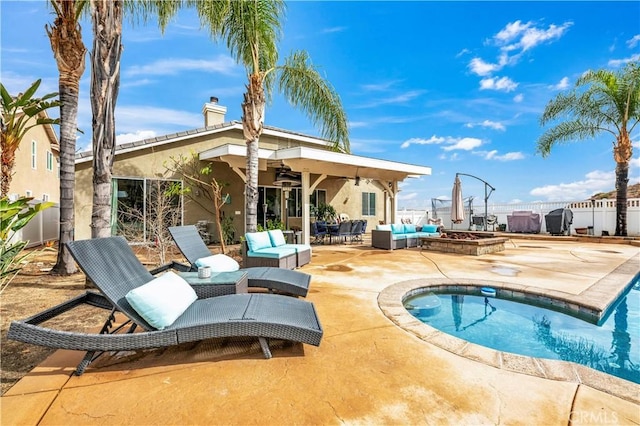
point(367, 370)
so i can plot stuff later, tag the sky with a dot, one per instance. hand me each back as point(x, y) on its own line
point(455, 86)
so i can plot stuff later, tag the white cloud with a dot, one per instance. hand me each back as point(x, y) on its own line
point(451, 143)
point(633, 41)
point(482, 68)
point(594, 182)
point(131, 118)
point(504, 84)
point(407, 196)
point(136, 136)
point(397, 99)
point(433, 140)
point(562, 85)
point(519, 36)
point(465, 144)
point(487, 123)
point(463, 52)
point(223, 64)
point(379, 87)
point(333, 30)
point(624, 61)
point(493, 155)
point(518, 98)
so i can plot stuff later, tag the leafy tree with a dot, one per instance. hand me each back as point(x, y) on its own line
point(252, 30)
point(209, 189)
point(19, 114)
point(602, 101)
point(69, 51)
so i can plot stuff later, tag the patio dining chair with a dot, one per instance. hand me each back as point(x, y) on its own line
point(278, 280)
point(166, 309)
point(356, 231)
point(342, 231)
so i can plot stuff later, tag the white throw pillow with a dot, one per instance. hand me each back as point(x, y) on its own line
point(219, 263)
point(161, 301)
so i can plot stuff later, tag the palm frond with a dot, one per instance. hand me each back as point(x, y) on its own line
point(304, 87)
point(565, 132)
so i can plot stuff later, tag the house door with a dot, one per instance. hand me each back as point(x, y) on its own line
point(269, 205)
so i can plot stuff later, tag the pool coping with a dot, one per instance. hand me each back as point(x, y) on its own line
point(390, 301)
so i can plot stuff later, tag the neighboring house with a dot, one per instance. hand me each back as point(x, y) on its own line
point(36, 172)
point(360, 187)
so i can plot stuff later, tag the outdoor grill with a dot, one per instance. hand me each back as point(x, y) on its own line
point(559, 221)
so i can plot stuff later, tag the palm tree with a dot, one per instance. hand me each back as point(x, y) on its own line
point(65, 36)
point(601, 101)
point(106, 16)
point(252, 29)
point(17, 114)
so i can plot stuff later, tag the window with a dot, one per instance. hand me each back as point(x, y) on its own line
point(28, 193)
point(294, 203)
point(34, 149)
point(49, 161)
point(368, 204)
point(45, 197)
point(143, 208)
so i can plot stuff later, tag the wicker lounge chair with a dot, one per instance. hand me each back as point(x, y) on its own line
point(113, 267)
point(279, 280)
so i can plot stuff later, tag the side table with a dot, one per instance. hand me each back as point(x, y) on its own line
point(218, 284)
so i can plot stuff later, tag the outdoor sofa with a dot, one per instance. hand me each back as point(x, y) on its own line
point(197, 253)
point(270, 248)
point(402, 235)
point(166, 309)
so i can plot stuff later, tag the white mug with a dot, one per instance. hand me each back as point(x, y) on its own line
point(204, 272)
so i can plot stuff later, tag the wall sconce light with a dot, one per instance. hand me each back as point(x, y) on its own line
point(357, 180)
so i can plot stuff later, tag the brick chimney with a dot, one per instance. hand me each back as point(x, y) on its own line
point(213, 113)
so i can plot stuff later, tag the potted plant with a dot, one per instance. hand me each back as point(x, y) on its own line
point(326, 212)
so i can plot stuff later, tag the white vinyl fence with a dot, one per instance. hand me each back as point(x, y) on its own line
point(601, 214)
point(42, 228)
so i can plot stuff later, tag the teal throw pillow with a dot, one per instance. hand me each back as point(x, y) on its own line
point(258, 240)
point(161, 301)
point(277, 237)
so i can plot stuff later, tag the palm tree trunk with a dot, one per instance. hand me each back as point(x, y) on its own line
point(69, 93)
point(69, 50)
point(622, 179)
point(252, 125)
point(8, 159)
point(105, 81)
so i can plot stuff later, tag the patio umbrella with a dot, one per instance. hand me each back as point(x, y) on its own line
point(457, 205)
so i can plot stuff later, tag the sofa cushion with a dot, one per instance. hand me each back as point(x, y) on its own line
point(219, 263)
point(397, 228)
point(258, 240)
point(162, 300)
point(272, 252)
point(277, 238)
point(297, 247)
point(409, 228)
point(385, 227)
point(397, 237)
point(430, 228)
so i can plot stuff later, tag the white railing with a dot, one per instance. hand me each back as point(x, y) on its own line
point(601, 214)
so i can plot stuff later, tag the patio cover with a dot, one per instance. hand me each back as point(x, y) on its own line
point(307, 161)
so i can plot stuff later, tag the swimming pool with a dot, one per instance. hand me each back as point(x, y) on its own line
point(611, 347)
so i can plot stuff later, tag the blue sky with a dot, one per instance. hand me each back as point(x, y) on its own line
point(456, 86)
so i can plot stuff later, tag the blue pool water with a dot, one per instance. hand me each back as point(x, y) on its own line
point(612, 347)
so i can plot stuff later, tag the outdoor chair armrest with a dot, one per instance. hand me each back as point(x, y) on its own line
point(181, 267)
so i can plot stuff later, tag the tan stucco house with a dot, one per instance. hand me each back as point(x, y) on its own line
point(360, 187)
point(36, 170)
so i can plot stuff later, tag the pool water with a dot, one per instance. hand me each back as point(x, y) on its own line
point(612, 347)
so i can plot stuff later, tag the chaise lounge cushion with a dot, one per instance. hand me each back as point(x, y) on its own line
point(277, 237)
point(219, 263)
point(161, 301)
